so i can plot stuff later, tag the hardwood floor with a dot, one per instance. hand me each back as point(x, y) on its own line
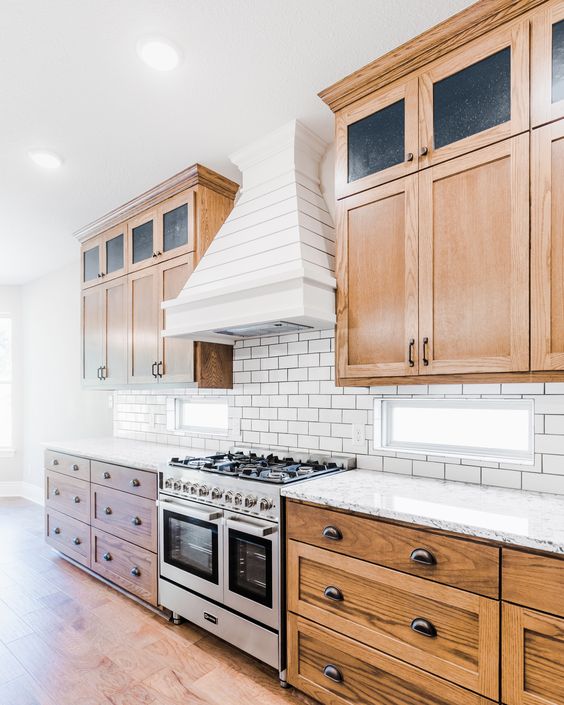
point(68, 639)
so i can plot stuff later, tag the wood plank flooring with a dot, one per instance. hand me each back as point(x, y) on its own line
point(67, 639)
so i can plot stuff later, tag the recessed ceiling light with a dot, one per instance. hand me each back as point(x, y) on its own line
point(45, 158)
point(159, 54)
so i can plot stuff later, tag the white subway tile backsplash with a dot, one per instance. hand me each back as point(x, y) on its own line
point(284, 397)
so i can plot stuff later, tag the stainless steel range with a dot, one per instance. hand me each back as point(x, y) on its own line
point(221, 543)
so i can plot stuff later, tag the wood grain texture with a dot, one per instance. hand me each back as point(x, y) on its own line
point(474, 261)
point(406, 91)
point(412, 56)
point(369, 677)
point(543, 110)
point(377, 281)
point(67, 495)
point(547, 247)
point(515, 37)
point(70, 536)
point(115, 336)
point(533, 581)
point(211, 210)
point(143, 325)
point(378, 606)
point(131, 518)
point(192, 176)
point(137, 482)
point(459, 563)
point(92, 335)
point(532, 657)
point(214, 365)
point(494, 377)
point(66, 464)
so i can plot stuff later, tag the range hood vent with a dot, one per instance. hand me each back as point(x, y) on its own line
point(270, 268)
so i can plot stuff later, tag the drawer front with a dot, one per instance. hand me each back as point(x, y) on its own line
point(533, 581)
point(70, 465)
point(131, 567)
point(337, 670)
point(68, 495)
point(532, 658)
point(451, 633)
point(126, 516)
point(137, 482)
point(463, 564)
point(68, 536)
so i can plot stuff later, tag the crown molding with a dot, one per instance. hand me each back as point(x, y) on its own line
point(471, 23)
point(195, 175)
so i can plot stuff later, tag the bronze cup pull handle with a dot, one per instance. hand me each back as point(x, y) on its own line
point(423, 557)
point(333, 593)
point(424, 627)
point(331, 532)
point(333, 673)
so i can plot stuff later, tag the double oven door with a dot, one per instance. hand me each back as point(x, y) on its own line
point(229, 558)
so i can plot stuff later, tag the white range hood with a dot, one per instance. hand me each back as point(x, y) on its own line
point(270, 268)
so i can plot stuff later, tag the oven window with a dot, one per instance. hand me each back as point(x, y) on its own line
point(250, 567)
point(191, 545)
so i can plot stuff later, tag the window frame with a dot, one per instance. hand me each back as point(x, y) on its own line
point(8, 450)
point(174, 417)
point(382, 430)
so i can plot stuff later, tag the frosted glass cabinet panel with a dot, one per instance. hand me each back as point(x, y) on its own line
point(476, 96)
point(176, 225)
point(547, 63)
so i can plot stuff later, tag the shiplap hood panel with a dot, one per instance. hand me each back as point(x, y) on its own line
point(270, 268)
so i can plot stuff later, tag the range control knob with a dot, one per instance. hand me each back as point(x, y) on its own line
point(265, 504)
point(250, 501)
point(228, 497)
point(217, 493)
point(177, 486)
point(186, 487)
point(194, 488)
point(238, 499)
point(204, 491)
point(168, 482)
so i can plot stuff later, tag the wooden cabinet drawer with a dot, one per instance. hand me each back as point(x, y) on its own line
point(66, 464)
point(131, 518)
point(533, 581)
point(138, 482)
point(340, 671)
point(68, 536)
point(129, 566)
point(68, 495)
point(533, 657)
point(463, 564)
point(451, 633)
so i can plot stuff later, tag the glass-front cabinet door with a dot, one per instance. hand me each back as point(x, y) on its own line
point(175, 228)
point(478, 96)
point(142, 242)
point(91, 262)
point(547, 63)
point(377, 139)
point(114, 252)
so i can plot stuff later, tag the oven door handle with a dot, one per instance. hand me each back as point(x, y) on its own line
point(252, 529)
point(195, 513)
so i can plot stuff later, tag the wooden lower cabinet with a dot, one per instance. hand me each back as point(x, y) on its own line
point(533, 657)
point(129, 566)
point(131, 518)
point(68, 495)
point(68, 535)
point(340, 671)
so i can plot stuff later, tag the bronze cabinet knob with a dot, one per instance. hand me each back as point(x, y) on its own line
point(108, 510)
point(135, 571)
point(107, 556)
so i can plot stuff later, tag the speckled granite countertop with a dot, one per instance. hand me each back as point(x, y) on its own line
point(121, 451)
point(530, 519)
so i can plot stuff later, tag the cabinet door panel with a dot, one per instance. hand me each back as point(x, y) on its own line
point(91, 262)
point(377, 139)
point(176, 354)
point(478, 96)
point(547, 67)
point(547, 248)
point(92, 335)
point(533, 657)
point(115, 254)
point(115, 330)
point(176, 225)
point(377, 281)
point(142, 240)
point(143, 326)
point(474, 262)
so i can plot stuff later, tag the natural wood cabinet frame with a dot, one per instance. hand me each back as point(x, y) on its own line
point(543, 110)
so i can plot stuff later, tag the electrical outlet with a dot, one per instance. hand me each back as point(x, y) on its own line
point(358, 436)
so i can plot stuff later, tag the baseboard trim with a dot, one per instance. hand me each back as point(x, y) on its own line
point(22, 489)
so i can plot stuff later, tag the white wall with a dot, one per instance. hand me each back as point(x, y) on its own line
point(55, 405)
point(10, 303)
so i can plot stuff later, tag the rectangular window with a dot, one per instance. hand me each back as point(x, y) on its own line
point(5, 382)
point(197, 415)
point(498, 430)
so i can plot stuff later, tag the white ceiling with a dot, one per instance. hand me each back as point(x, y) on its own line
point(71, 82)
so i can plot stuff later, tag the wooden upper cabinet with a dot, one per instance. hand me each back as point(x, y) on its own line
point(474, 262)
point(176, 225)
point(475, 96)
point(91, 262)
point(377, 328)
point(92, 303)
point(377, 139)
point(104, 257)
point(547, 248)
point(142, 240)
point(143, 326)
point(547, 63)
